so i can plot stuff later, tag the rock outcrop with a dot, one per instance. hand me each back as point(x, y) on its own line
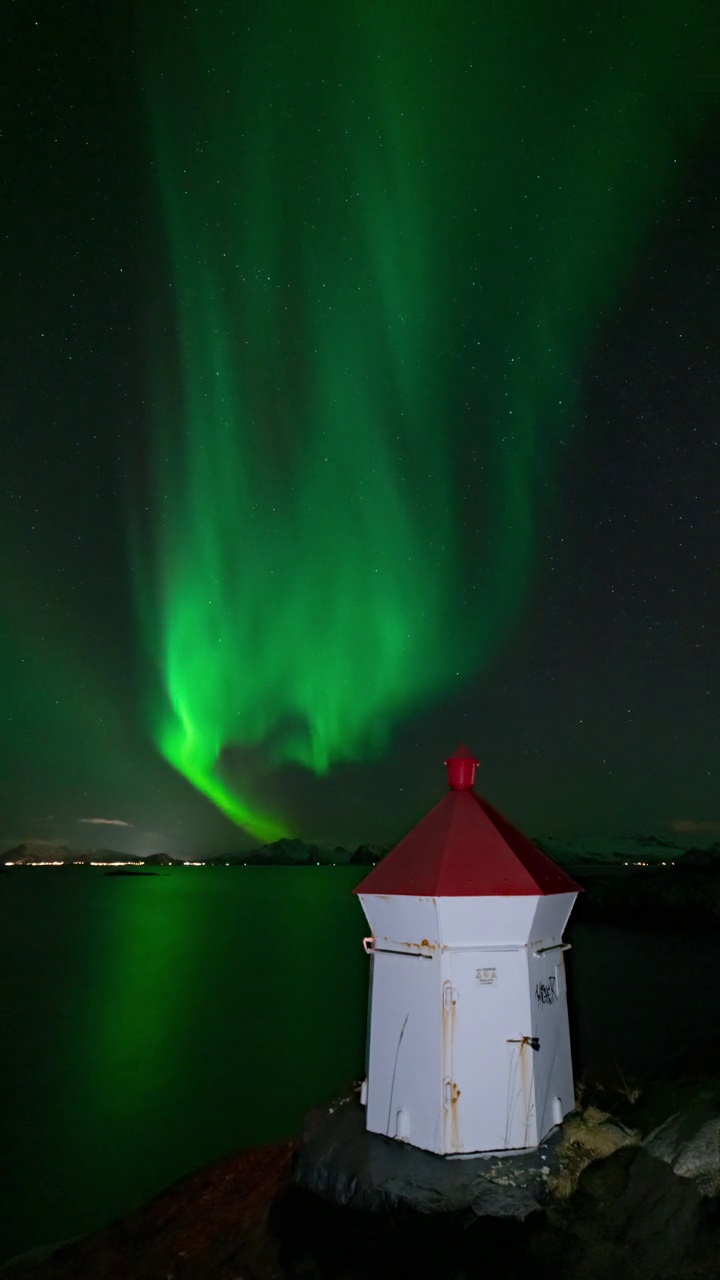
point(689, 1142)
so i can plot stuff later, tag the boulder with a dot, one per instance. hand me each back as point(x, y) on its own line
point(587, 1136)
point(689, 1142)
point(630, 1215)
point(342, 1163)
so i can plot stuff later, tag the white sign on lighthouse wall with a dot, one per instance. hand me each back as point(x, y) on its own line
point(469, 1044)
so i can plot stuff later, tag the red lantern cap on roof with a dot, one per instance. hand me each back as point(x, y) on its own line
point(461, 769)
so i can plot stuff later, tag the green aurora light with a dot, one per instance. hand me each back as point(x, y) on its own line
point(373, 219)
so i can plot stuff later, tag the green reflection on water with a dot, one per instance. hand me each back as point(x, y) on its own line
point(154, 1025)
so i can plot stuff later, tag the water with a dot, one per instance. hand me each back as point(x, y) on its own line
point(155, 1024)
point(152, 1025)
point(641, 1002)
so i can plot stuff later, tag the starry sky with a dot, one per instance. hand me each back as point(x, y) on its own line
point(360, 397)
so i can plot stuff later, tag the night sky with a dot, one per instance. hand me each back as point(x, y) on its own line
point(359, 397)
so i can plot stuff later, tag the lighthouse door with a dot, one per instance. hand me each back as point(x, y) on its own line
point(490, 1100)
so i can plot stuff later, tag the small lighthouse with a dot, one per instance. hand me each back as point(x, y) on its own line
point(469, 1047)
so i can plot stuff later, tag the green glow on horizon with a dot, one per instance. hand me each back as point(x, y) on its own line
point(365, 228)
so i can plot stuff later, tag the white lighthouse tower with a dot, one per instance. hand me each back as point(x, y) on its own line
point(469, 1047)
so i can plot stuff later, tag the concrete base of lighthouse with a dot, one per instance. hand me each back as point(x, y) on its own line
point(343, 1163)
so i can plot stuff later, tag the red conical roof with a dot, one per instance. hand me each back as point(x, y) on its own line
point(465, 848)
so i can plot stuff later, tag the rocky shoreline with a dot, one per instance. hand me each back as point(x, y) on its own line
point(630, 1193)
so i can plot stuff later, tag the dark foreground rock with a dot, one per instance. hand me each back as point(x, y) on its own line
point(212, 1225)
point(341, 1162)
point(628, 1215)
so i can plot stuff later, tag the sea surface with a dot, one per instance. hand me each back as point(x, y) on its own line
point(153, 1024)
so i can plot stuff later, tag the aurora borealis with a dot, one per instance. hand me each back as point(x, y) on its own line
point(309, 383)
point(322, 229)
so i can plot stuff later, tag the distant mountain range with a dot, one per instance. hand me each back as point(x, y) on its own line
point(630, 851)
point(284, 853)
point(297, 853)
point(39, 851)
point(642, 850)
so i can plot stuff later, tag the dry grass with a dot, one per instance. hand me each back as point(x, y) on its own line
point(630, 1091)
point(588, 1135)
